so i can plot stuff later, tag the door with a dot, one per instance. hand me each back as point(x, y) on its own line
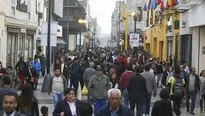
point(161, 50)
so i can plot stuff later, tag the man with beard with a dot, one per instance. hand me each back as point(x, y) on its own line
point(9, 105)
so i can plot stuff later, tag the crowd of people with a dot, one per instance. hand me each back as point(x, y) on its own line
point(117, 84)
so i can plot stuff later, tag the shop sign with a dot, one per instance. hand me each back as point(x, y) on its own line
point(134, 39)
point(13, 30)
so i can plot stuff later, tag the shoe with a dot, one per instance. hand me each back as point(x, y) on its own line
point(192, 113)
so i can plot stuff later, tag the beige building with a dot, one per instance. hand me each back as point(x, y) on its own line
point(2, 34)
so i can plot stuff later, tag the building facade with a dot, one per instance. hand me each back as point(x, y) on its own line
point(136, 7)
point(197, 25)
point(72, 12)
point(2, 34)
point(21, 23)
point(115, 23)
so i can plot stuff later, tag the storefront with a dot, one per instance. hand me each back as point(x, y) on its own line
point(185, 39)
point(198, 36)
point(20, 43)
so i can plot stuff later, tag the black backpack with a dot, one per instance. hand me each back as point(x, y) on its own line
point(178, 88)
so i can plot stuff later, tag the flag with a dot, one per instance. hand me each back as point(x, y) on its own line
point(162, 4)
point(169, 2)
point(148, 4)
point(154, 4)
point(158, 2)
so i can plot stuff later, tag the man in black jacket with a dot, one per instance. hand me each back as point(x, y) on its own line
point(192, 83)
point(114, 108)
point(137, 90)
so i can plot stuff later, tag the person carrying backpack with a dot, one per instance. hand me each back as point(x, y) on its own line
point(176, 86)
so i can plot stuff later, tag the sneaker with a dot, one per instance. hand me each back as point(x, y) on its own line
point(143, 115)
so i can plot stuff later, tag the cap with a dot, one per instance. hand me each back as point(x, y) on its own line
point(99, 68)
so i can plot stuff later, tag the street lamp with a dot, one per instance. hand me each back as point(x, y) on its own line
point(81, 21)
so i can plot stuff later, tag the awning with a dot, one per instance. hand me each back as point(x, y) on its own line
point(61, 43)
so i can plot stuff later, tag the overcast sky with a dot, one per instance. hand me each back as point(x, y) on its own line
point(102, 9)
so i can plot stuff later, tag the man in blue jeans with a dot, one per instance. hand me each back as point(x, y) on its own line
point(57, 86)
point(151, 88)
point(137, 90)
point(98, 87)
point(192, 83)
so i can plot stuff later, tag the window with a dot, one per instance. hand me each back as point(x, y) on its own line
point(29, 16)
point(13, 8)
point(13, 11)
point(13, 2)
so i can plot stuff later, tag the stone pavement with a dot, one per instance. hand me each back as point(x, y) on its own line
point(45, 100)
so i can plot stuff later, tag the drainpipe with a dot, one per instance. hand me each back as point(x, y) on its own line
point(199, 48)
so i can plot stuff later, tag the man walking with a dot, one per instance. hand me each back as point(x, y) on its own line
point(57, 86)
point(151, 88)
point(114, 108)
point(124, 79)
point(43, 64)
point(89, 72)
point(98, 87)
point(192, 83)
point(137, 91)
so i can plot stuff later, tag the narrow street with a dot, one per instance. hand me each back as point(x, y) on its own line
point(45, 100)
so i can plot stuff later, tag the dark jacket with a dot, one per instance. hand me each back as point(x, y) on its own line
point(122, 111)
point(29, 75)
point(164, 108)
point(16, 114)
point(137, 88)
point(197, 83)
point(65, 70)
point(33, 111)
point(63, 106)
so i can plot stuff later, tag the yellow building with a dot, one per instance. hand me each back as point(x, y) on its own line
point(160, 28)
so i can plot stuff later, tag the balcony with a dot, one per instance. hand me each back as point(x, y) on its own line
point(187, 4)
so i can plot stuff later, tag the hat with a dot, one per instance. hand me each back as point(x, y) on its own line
point(99, 68)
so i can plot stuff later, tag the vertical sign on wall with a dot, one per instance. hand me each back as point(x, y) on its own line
point(134, 40)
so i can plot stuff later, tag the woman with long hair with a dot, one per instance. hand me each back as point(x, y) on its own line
point(114, 83)
point(27, 103)
point(56, 65)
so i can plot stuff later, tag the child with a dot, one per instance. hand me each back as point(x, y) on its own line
point(44, 111)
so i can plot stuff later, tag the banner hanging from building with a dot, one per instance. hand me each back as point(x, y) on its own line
point(134, 39)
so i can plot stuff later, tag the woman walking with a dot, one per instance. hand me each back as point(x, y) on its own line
point(28, 104)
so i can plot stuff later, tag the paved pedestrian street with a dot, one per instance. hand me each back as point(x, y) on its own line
point(45, 100)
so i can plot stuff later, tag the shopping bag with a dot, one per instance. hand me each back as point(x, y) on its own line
point(84, 91)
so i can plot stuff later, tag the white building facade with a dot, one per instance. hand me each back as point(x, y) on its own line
point(2, 34)
point(116, 24)
point(197, 24)
point(21, 23)
point(135, 6)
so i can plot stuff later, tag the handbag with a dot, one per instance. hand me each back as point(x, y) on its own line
point(173, 113)
point(32, 78)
